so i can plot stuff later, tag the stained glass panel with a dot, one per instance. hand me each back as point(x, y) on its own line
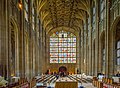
point(65, 44)
point(118, 61)
point(73, 49)
point(53, 60)
point(118, 44)
point(62, 47)
point(74, 44)
point(73, 54)
point(53, 39)
point(69, 49)
point(54, 35)
point(69, 60)
point(69, 55)
point(118, 53)
point(74, 60)
point(60, 35)
point(69, 39)
point(74, 39)
point(65, 50)
point(54, 44)
point(54, 49)
point(65, 35)
point(53, 54)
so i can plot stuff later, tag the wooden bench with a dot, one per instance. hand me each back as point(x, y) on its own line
point(33, 83)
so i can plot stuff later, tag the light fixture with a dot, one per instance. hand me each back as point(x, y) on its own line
point(20, 5)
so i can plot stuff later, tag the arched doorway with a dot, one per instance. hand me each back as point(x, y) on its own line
point(63, 71)
point(14, 48)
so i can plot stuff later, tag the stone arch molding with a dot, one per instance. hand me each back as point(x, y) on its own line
point(113, 30)
point(114, 23)
point(76, 33)
point(15, 30)
point(112, 40)
point(15, 24)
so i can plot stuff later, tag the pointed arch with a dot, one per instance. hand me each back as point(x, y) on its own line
point(14, 46)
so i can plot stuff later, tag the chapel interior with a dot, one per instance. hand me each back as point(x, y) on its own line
point(50, 43)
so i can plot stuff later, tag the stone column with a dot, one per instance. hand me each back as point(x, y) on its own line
point(30, 40)
point(40, 48)
point(85, 46)
point(92, 58)
point(107, 38)
point(30, 55)
point(4, 39)
point(82, 53)
point(27, 57)
point(90, 48)
point(79, 50)
point(96, 57)
point(21, 43)
point(84, 50)
point(44, 53)
point(0, 35)
point(47, 52)
point(37, 49)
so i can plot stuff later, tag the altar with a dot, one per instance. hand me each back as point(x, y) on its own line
point(66, 83)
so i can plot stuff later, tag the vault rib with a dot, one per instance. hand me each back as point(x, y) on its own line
point(71, 11)
point(51, 13)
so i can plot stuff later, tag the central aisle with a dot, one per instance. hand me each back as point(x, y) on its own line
point(66, 79)
point(51, 80)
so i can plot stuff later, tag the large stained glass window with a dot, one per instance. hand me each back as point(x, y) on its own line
point(62, 47)
point(118, 53)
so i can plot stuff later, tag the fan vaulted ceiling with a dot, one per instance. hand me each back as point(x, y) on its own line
point(62, 13)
